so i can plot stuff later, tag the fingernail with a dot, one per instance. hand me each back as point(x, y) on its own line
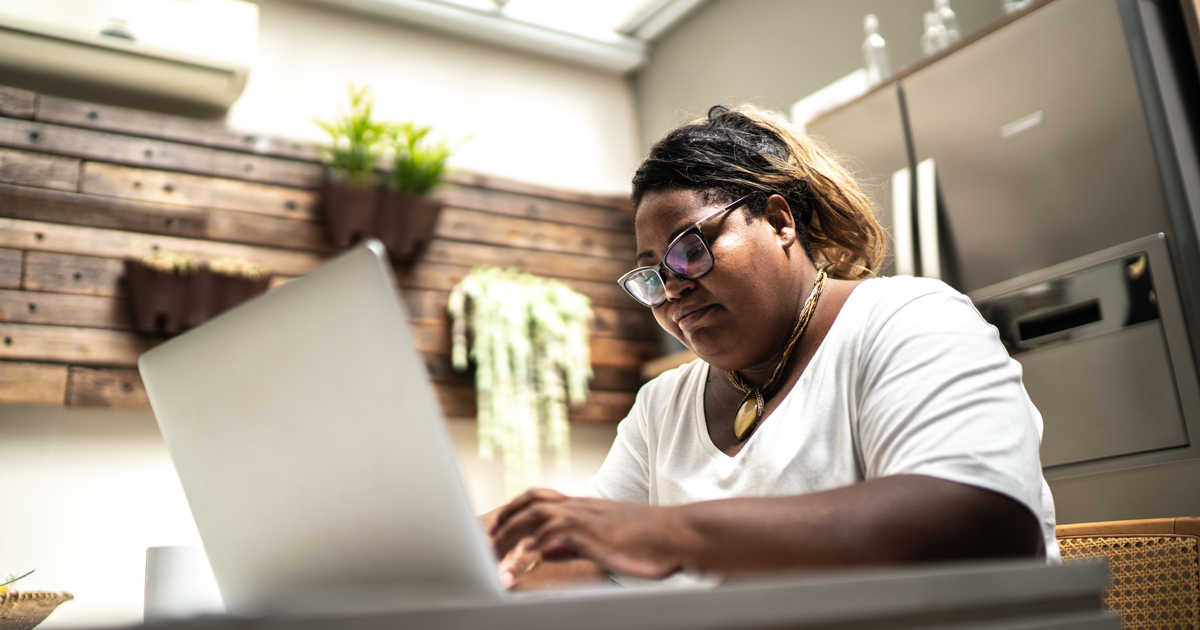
point(507, 579)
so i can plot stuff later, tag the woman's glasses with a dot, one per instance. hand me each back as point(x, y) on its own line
point(688, 256)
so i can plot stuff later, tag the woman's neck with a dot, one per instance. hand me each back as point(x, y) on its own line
point(758, 374)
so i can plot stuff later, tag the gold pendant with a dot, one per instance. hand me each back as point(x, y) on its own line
point(747, 414)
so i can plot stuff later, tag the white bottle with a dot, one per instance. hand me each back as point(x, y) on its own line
point(1011, 6)
point(875, 53)
point(949, 22)
point(931, 41)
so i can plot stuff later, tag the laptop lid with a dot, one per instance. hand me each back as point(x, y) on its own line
point(313, 454)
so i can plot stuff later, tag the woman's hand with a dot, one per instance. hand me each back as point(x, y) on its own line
point(638, 540)
point(518, 561)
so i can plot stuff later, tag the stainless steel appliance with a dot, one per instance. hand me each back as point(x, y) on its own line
point(1029, 167)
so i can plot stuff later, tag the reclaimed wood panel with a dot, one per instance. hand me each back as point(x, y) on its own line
point(516, 233)
point(458, 401)
point(623, 352)
point(84, 186)
point(625, 323)
point(32, 383)
point(26, 168)
point(106, 387)
point(542, 209)
point(57, 309)
point(80, 275)
point(17, 103)
point(604, 377)
point(602, 406)
point(70, 239)
point(256, 229)
point(76, 346)
point(197, 191)
point(11, 262)
point(549, 264)
point(443, 277)
point(54, 206)
point(433, 336)
point(111, 147)
point(137, 122)
point(491, 182)
point(607, 322)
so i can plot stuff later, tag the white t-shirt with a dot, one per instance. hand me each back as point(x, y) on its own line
point(909, 380)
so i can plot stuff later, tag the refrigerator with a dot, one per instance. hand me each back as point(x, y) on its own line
point(1047, 168)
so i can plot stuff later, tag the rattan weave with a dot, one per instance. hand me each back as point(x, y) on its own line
point(1155, 579)
point(24, 610)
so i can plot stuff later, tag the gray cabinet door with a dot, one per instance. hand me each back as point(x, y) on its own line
point(868, 137)
point(1042, 149)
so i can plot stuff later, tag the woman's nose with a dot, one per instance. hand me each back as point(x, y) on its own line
point(675, 285)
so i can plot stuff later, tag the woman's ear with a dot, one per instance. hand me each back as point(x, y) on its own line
point(778, 215)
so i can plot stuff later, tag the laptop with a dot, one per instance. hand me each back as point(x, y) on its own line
point(313, 454)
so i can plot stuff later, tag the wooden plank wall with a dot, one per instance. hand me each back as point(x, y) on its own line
point(84, 186)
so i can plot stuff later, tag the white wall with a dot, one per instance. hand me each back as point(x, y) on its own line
point(522, 116)
point(86, 491)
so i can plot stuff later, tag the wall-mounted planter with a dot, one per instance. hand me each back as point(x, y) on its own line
point(159, 301)
point(349, 211)
point(405, 223)
point(231, 291)
point(170, 303)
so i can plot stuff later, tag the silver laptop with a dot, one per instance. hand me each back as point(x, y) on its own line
point(313, 454)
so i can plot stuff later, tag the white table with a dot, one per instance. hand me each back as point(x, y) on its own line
point(995, 595)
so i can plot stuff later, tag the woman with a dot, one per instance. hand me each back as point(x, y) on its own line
point(831, 419)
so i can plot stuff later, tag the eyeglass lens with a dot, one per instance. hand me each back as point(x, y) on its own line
point(688, 257)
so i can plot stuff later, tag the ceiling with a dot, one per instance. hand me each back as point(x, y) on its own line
point(608, 34)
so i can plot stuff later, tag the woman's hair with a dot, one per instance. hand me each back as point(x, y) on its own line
point(745, 151)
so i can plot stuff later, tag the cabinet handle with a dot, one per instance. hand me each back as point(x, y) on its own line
point(902, 232)
point(927, 219)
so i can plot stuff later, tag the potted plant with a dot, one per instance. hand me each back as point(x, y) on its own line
point(407, 215)
point(172, 292)
point(348, 195)
point(236, 280)
point(160, 291)
point(529, 342)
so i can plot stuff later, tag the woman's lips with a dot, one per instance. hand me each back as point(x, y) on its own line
point(692, 317)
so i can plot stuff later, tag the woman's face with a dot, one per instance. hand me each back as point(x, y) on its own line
point(735, 315)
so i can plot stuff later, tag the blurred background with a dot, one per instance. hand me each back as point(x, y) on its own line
point(133, 127)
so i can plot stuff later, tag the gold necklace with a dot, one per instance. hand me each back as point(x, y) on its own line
point(750, 410)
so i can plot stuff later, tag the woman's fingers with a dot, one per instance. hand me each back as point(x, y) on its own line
point(517, 563)
point(634, 539)
point(520, 525)
point(525, 500)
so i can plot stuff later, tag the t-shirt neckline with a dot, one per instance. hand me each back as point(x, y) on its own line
point(701, 421)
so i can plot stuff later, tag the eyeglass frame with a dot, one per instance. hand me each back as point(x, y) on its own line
point(695, 227)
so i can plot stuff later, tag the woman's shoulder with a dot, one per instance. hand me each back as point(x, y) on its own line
point(687, 375)
point(908, 303)
point(885, 296)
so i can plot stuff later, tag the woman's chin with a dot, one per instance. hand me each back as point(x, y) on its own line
point(718, 356)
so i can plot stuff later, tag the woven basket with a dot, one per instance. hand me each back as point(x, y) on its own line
point(1155, 578)
point(22, 611)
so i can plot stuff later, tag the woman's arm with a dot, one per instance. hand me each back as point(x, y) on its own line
point(902, 518)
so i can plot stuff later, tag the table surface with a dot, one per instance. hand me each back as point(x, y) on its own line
point(1006, 594)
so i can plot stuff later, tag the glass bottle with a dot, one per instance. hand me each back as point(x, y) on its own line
point(931, 41)
point(875, 52)
point(949, 22)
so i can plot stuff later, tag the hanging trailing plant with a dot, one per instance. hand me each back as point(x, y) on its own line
point(529, 344)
